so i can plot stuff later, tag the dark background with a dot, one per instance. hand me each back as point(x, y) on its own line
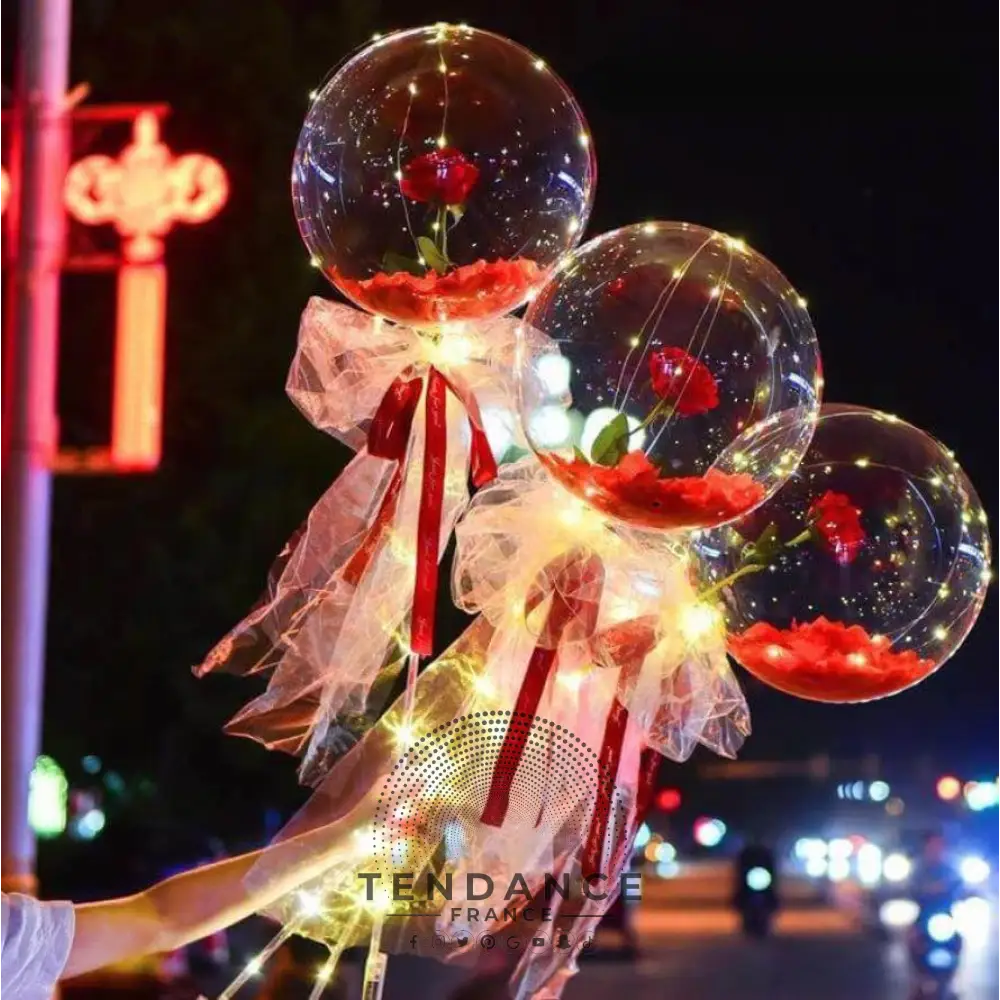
point(851, 145)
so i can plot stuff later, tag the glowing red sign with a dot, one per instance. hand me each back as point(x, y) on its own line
point(142, 194)
point(145, 191)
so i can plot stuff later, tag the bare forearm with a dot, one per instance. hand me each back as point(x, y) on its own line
point(193, 904)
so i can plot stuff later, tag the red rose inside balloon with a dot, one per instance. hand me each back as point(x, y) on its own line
point(837, 522)
point(682, 382)
point(444, 176)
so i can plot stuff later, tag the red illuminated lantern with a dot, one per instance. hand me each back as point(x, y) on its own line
point(142, 193)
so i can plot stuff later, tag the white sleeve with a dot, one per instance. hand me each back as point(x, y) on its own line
point(36, 938)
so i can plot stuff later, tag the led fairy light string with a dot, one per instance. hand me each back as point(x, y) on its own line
point(256, 964)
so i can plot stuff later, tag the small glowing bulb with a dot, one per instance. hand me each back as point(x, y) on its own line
point(801, 302)
point(376, 36)
point(314, 262)
point(421, 261)
point(484, 686)
point(310, 904)
point(442, 68)
point(735, 244)
point(634, 342)
point(254, 966)
point(940, 633)
point(403, 734)
point(573, 225)
point(774, 652)
point(677, 273)
point(862, 463)
point(441, 142)
point(412, 88)
point(539, 64)
point(398, 175)
point(698, 620)
point(857, 659)
point(313, 94)
point(324, 973)
point(572, 680)
point(714, 292)
point(649, 228)
point(435, 226)
point(740, 460)
point(584, 139)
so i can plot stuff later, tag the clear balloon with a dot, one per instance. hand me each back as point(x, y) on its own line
point(678, 380)
point(440, 174)
point(864, 573)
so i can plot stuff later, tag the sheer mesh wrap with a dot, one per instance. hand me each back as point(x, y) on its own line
point(333, 621)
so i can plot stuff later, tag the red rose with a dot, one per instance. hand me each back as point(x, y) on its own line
point(444, 176)
point(838, 523)
point(683, 381)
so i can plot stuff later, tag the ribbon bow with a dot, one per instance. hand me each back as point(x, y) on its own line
point(389, 437)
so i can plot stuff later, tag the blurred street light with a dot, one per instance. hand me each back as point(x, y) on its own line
point(948, 788)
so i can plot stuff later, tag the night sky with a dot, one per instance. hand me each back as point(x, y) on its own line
point(853, 147)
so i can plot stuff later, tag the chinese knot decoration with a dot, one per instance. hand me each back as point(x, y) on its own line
point(145, 190)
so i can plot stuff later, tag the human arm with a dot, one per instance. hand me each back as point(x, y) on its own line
point(196, 903)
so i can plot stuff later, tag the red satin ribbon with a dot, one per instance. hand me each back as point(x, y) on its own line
point(627, 645)
point(389, 437)
point(575, 582)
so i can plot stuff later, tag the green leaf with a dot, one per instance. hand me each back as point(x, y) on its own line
point(579, 455)
point(765, 548)
point(611, 444)
point(457, 211)
point(432, 255)
point(393, 262)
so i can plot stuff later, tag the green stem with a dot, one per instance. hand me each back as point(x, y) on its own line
point(742, 571)
point(442, 231)
point(650, 417)
point(800, 538)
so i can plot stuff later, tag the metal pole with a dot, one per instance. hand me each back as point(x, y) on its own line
point(30, 411)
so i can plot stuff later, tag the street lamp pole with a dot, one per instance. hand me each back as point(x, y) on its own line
point(40, 150)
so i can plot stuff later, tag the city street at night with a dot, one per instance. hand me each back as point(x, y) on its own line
point(497, 501)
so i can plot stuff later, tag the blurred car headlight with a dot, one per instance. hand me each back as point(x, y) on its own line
point(940, 927)
point(974, 870)
point(898, 912)
point(896, 868)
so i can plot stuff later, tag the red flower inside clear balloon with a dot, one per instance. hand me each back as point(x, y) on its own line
point(682, 381)
point(837, 524)
point(444, 176)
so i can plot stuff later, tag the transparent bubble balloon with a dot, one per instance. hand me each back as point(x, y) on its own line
point(678, 378)
point(864, 573)
point(440, 174)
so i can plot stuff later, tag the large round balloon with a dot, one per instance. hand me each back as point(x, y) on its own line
point(440, 174)
point(664, 343)
point(864, 573)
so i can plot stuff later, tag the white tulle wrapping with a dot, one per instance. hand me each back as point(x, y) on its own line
point(523, 546)
point(324, 637)
point(522, 539)
point(685, 693)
